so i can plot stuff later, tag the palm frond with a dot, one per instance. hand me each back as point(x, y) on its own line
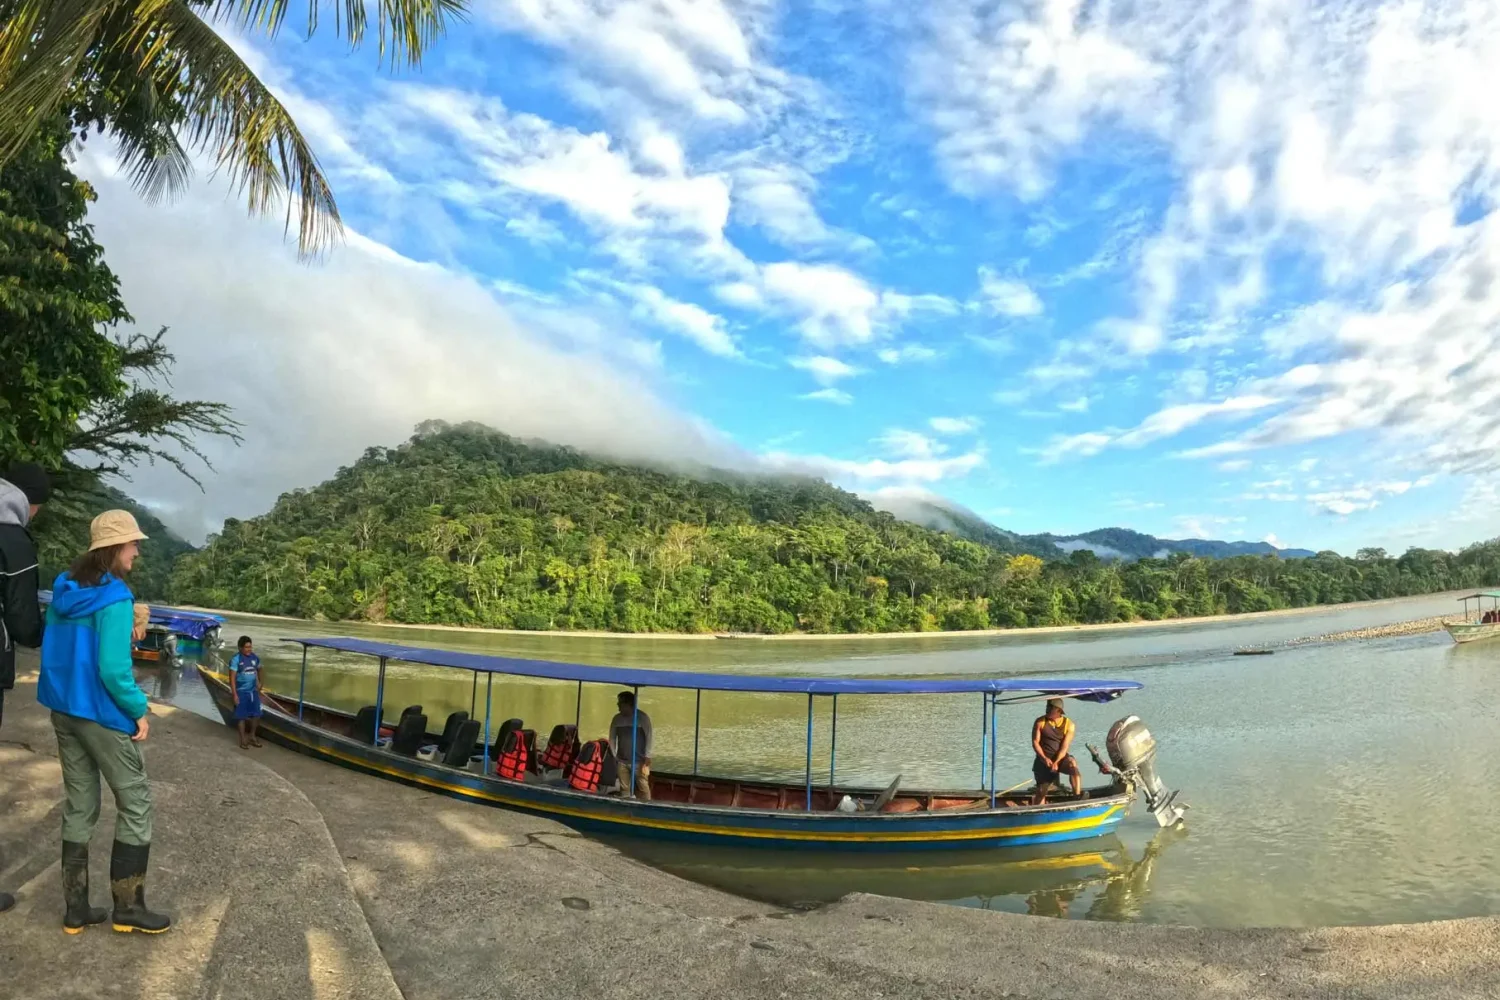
point(42, 49)
point(231, 115)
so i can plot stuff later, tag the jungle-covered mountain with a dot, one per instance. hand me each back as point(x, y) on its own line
point(465, 525)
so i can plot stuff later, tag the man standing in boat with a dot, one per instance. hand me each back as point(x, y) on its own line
point(1051, 737)
point(630, 734)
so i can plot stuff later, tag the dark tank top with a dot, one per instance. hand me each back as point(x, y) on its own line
point(1052, 736)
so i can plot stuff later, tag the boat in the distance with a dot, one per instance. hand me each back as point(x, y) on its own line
point(1479, 623)
point(462, 762)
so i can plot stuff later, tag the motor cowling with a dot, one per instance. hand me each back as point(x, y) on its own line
point(1132, 751)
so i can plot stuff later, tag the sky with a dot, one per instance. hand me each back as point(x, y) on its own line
point(1209, 268)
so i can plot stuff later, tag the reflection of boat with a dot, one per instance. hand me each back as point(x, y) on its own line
point(1049, 878)
point(1479, 624)
point(702, 808)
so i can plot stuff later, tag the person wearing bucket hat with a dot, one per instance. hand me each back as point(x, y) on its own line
point(101, 719)
point(23, 490)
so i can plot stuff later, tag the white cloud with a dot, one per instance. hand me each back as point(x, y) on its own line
point(906, 470)
point(779, 198)
point(1079, 405)
point(1006, 296)
point(910, 444)
point(1341, 142)
point(694, 56)
point(838, 396)
point(825, 369)
point(1166, 422)
point(906, 352)
point(1234, 465)
point(835, 306)
point(693, 322)
point(330, 359)
point(955, 425)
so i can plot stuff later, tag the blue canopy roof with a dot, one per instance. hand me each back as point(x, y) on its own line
point(631, 677)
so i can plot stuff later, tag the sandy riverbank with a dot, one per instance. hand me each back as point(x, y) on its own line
point(858, 636)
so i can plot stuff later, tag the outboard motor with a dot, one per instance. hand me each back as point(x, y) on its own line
point(1132, 750)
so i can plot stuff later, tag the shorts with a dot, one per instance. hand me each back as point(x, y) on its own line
point(1045, 775)
point(248, 706)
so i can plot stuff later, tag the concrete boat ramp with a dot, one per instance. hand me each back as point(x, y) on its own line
point(294, 880)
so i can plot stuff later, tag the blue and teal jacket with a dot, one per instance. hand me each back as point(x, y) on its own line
point(86, 654)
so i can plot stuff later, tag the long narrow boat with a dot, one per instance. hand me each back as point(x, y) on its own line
point(728, 811)
point(1478, 624)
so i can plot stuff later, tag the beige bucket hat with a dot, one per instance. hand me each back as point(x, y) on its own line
point(114, 527)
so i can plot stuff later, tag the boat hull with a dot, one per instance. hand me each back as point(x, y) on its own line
point(722, 826)
point(1472, 632)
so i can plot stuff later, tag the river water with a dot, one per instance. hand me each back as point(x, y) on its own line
point(1335, 783)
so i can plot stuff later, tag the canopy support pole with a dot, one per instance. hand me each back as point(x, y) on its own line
point(993, 713)
point(578, 710)
point(697, 716)
point(379, 702)
point(833, 741)
point(984, 737)
point(635, 747)
point(302, 685)
point(474, 694)
point(809, 752)
point(489, 680)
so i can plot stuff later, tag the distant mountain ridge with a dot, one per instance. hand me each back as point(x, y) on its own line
point(1122, 544)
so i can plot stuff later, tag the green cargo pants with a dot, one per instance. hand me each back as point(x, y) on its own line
point(87, 750)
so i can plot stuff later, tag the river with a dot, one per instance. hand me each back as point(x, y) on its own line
point(1333, 783)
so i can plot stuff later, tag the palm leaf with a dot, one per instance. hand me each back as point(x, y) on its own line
point(162, 52)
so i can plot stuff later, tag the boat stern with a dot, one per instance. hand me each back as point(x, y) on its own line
point(1132, 751)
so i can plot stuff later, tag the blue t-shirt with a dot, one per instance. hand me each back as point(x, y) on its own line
point(246, 670)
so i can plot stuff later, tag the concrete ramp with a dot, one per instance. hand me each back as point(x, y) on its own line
point(264, 908)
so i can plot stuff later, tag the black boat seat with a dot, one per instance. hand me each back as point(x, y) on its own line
point(461, 747)
point(411, 733)
point(506, 728)
point(364, 725)
point(450, 729)
point(411, 710)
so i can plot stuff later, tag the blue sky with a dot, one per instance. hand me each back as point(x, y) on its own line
point(1219, 270)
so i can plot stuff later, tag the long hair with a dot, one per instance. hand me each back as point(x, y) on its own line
point(88, 570)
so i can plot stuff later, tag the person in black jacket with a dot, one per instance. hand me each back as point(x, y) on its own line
point(22, 492)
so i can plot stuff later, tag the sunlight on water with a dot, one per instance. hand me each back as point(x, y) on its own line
point(1330, 784)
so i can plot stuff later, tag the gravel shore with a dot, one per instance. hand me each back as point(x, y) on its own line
point(1416, 626)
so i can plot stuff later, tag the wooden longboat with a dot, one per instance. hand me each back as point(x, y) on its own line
point(716, 810)
point(1478, 624)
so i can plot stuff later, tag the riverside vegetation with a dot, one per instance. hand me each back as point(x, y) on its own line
point(464, 525)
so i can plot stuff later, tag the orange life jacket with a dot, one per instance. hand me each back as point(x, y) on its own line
point(562, 747)
point(591, 767)
point(515, 759)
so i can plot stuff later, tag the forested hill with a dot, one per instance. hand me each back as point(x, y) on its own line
point(464, 525)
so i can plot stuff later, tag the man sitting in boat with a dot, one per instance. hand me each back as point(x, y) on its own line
point(630, 735)
point(1051, 736)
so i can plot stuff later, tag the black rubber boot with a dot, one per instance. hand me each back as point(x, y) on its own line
point(75, 879)
point(127, 881)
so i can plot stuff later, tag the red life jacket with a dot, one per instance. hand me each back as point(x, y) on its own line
point(562, 747)
point(592, 767)
point(515, 759)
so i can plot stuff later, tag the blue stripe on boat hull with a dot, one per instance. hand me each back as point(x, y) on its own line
point(703, 824)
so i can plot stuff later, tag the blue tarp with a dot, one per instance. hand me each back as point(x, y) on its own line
point(193, 624)
point(630, 677)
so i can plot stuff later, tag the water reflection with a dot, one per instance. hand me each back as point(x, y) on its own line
point(1098, 879)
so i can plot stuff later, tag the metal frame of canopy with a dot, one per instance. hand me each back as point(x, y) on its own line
point(996, 691)
point(1478, 599)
